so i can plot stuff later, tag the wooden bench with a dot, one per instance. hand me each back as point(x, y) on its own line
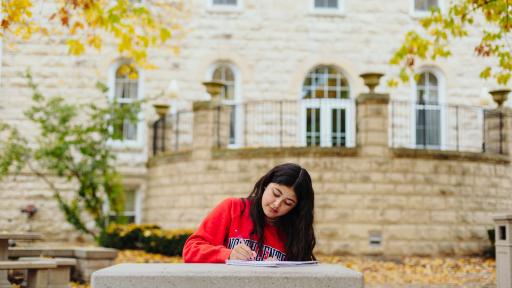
point(38, 271)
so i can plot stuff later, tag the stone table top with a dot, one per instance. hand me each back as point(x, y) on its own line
point(225, 276)
point(20, 236)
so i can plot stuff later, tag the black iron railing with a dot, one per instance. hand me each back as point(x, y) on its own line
point(287, 123)
point(330, 122)
point(436, 126)
point(173, 132)
point(495, 131)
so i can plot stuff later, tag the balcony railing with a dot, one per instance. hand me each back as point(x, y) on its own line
point(496, 131)
point(294, 123)
point(174, 132)
point(331, 123)
point(435, 126)
point(287, 123)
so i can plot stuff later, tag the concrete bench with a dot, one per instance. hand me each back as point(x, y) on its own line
point(60, 276)
point(225, 276)
point(38, 271)
point(88, 259)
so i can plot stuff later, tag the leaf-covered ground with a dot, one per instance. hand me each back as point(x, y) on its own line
point(414, 272)
point(421, 271)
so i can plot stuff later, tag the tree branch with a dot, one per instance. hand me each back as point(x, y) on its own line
point(478, 7)
point(56, 194)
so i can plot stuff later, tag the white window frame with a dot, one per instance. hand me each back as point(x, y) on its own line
point(141, 129)
point(419, 13)
point(326, 105)
point(440, 100)
point(237, 101)
point(137, 213)
point(340, 10)
point(222, 7)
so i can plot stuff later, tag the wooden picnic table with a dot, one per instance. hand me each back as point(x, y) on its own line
point(4, 246)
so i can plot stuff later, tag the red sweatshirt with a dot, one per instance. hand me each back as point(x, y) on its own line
point(224, 228)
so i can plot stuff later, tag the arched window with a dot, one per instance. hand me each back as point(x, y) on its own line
point(125, 90)
point(427, 89)
point(228, 74)
point(223, 73)
point(428, 111)
point(327, 108)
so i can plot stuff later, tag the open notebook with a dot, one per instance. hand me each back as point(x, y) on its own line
point(270, 263)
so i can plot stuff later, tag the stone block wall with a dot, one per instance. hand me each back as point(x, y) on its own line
point(419, 202)
point(425, 204)
point(274, 44)
point(26, 189)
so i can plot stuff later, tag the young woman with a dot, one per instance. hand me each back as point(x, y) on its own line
point(275, 222)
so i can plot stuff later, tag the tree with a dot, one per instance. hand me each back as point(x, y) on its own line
point(440, 28)
point(135, 24)
point(72, 144)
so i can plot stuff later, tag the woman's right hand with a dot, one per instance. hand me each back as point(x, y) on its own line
point(242, 252)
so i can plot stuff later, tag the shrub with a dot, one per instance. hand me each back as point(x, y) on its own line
point(147, 237)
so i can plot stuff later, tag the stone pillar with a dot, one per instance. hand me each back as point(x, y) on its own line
point(498, 131)
point(210, 129)
point(372, 124)
point(508, 131)
point(503, 226)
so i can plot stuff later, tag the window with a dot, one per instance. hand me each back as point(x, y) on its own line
point(425, 5)
point(327, 7)
point(129, 214)
point(225, 2)
point(227, 74)
point(126, 90)
point(224, 74)
point(325, 82)
point(313, 127)
point(327, 108)
point(326, 4)
point(428, 111)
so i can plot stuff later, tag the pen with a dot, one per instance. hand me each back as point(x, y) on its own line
point(241, 240)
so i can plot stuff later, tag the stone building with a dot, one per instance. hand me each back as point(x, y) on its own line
point(412, 170)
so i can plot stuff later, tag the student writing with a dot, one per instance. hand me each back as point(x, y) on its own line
point(275, 222)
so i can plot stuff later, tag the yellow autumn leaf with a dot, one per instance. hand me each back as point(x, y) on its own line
point(95, 41)
point(75, 47)
point(124, 70)
point(134, 26)
point(133, 75)
point(76, 26)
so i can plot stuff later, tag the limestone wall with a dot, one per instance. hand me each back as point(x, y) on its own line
point(422, 204)
point(27, 189)
point(411, 201)
point(273, 44)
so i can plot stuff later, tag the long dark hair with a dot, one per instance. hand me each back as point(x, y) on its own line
point(297, 224)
